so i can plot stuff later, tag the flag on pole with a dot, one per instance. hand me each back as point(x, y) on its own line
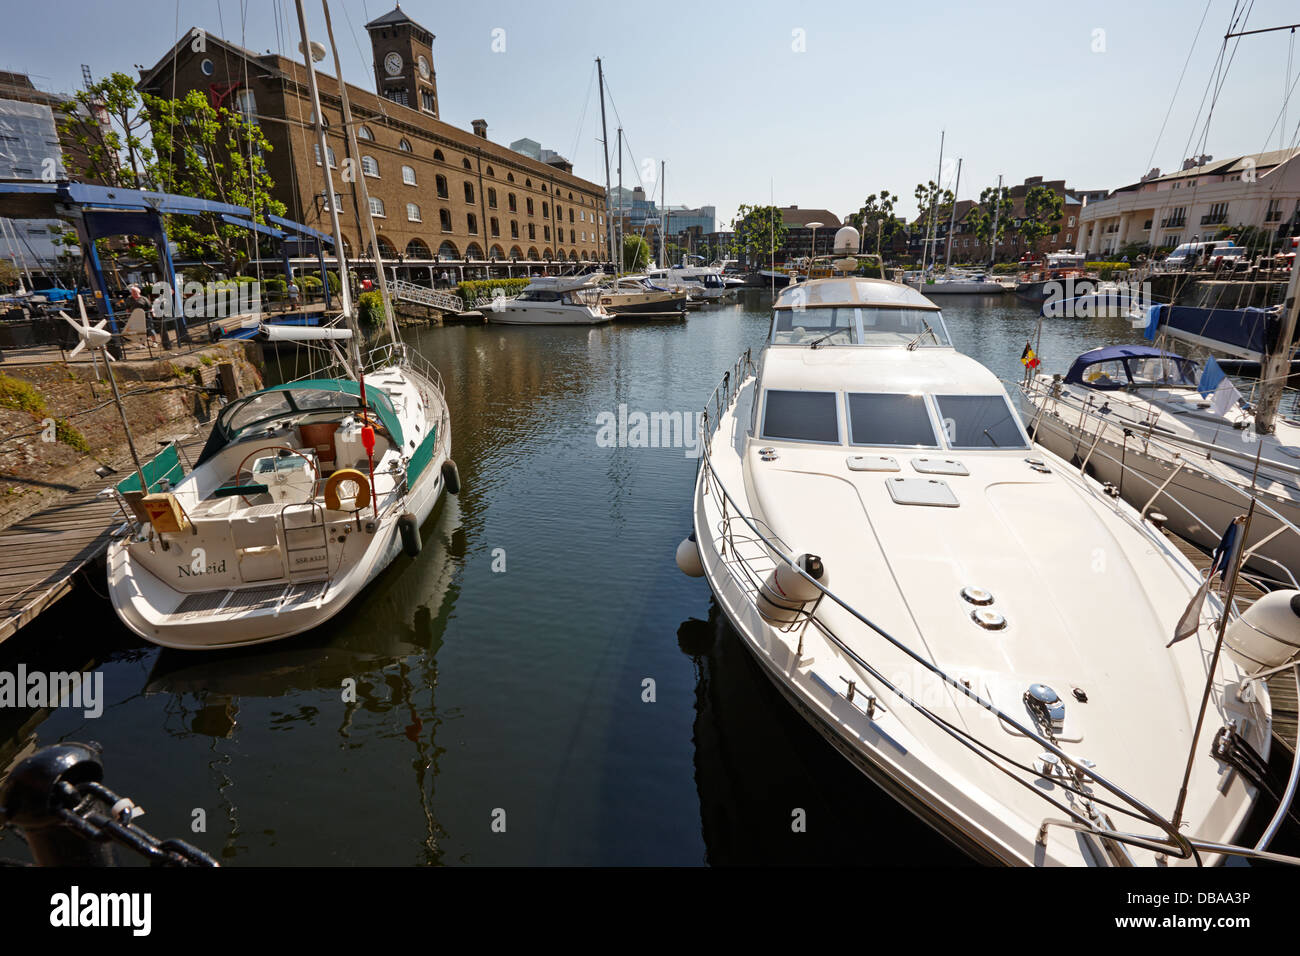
point(1153, 322)
point(1214, 382)
point(1028, 358)
point(1225, 558)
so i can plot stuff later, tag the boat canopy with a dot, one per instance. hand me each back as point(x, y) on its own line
point(311, 395)
point(1248, 333)
point(852, 292)
point(1119, 366)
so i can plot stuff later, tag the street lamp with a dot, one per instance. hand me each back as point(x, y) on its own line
point(813, 253)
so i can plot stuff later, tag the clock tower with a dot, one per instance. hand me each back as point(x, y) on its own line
point(403, 53)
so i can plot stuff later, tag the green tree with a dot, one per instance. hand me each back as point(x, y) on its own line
point(212, 154)
point(928, 194)
point(1043, 209)
point(636, 253)
point(993, 206)
point(876, 219)
point(105, 125)
point(760, 231)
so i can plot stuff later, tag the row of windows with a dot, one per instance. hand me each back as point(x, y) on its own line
point(419, 249)
point(370, 167)
point(892, 420)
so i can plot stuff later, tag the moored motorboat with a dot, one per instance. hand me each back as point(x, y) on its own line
point(554, 300)
point(923, 586)
point(636, 296)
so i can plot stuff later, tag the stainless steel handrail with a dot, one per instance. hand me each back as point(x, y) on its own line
point(723, 397)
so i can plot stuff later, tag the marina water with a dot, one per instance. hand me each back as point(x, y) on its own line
point(540, 685)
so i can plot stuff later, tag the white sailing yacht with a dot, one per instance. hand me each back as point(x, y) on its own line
point(302, 495)
point(974, 624)
point(1140, 410)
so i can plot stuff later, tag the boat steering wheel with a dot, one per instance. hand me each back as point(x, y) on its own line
point(277, 478)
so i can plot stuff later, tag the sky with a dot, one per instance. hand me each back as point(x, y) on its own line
point(812, 104)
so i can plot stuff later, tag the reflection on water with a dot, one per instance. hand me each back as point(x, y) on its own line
point(504, 674)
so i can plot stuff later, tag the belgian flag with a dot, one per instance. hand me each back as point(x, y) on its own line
point(1028, 358)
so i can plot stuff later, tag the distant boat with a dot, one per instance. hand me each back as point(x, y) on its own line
point(638, 296)
point(554, 300)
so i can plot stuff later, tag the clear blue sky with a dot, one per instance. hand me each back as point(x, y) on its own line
point(723, 94)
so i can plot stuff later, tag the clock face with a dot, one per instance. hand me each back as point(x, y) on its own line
point(424, 67)
point(393, 63)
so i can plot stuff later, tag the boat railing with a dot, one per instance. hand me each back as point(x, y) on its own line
point(1074, 777)
point(1098, 432)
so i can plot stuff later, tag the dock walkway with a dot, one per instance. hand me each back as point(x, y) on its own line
point(41, 555)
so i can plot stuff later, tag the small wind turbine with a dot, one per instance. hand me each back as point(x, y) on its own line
point(96, 337)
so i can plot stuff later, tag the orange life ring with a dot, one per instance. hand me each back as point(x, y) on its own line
point(339, 477)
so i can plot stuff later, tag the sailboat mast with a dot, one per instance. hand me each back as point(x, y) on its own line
point(993, 240)
point(1277, 366)
point(604, 149)
point(360, 176)
point(618, 237)
point(339, 256)
point(952, 221)
point(925, 246)
point(663, 221)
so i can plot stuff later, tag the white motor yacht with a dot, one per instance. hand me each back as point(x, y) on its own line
point(554, 300)
point(977, 626)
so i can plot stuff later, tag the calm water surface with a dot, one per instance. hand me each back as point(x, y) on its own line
point(485, 693)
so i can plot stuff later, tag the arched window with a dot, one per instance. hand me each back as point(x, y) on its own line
point(413, 212)
point(363, 132)
point(492, 198)
point(494, 226)
point(511, 202)
point(405, 145)
point(416, 249)
point(329, 151)
point(386, 248)
point(369, 166)
point(437, 154)
point(532, 253)
point(491, 173)
point(514, 229)
point(528, 183)
point(408, 175)
point(473, 251)
point(469, 192)
point(467, 164)
point(572, 236)
point(471, 223)
point(444, 219)
point(448, 251)
point(376, 206)
point(510, 177)
point(547, 254)
point(496, 253)
point(546, 212)
point(528, 202)
point(573, 255)
point(516, 252)
point(440, 182)
point(543, 187)
point(570, 197)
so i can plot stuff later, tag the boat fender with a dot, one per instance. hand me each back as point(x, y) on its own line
point(332, 484)
point(785, 592)
point(1267, 634)
point(451, 476)
point(688, 557)
point(410, 531)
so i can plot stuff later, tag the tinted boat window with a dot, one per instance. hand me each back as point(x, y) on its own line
point(979, 421)
point(890, 419)
point(801, 416)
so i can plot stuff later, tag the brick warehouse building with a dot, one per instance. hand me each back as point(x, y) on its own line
point(443, 199)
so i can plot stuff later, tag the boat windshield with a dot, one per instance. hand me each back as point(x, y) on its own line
point(979, 421)
point(1162, 370)
point(859, 326)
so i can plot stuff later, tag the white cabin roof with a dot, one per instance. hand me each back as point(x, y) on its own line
point(851, 291)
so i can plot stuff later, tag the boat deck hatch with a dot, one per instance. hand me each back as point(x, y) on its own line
point(872, 463)
point(939, 466)
point(922, 491)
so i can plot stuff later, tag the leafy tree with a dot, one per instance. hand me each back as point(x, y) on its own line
point(928, 194)
point(113, 152)
point(876, 219)
point(993, 206)
point(213, 154)
point(636, 253)
point(760, 231)
point(1043, 209)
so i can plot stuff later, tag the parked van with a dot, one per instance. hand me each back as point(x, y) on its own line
point(1212, 254)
